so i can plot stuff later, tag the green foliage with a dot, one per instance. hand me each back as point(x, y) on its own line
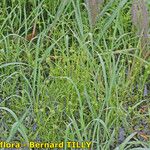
point(62, 80)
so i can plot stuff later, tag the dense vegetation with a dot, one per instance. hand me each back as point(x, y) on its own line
point(68, 73)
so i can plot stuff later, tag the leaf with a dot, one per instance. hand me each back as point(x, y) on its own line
point(144, 136)
point(33, 34)
point(123, 145)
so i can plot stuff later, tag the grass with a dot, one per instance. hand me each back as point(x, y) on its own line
point(72, 80)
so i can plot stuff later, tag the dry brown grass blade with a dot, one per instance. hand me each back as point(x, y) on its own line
point(93, 10)
point(33, 34)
